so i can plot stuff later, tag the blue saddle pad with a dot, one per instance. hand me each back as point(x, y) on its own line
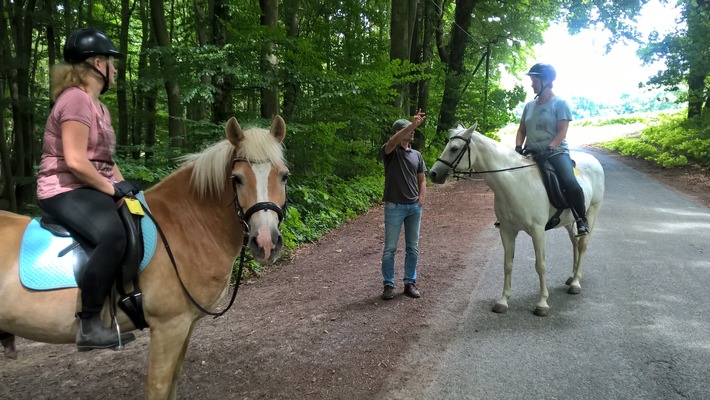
point(41, 268)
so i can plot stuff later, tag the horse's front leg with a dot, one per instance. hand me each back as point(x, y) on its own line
point(538, 239)
point(168, 343)
point(507, 236)
point(576, 276)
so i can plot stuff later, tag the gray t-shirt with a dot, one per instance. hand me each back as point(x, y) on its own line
point(401, 170)
point(541, 123)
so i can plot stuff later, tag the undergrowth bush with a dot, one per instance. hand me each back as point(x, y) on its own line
point(673, 142)
point(320, 204)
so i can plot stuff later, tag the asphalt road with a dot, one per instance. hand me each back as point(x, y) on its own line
point(640, 329)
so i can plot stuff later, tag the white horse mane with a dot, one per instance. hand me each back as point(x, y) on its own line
point(212, 165)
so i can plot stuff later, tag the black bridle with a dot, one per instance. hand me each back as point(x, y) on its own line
point(243, 217)
point(467, 150)
point(260, 206)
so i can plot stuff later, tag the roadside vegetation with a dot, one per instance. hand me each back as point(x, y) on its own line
point(669, 140)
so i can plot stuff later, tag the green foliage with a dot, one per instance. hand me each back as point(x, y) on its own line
point(320, 204)
point(673, 142)
point(136, 170)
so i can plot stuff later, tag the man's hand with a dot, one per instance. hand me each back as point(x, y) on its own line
point(419, 118)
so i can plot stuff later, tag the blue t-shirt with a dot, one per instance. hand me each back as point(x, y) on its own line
point(541, 123)
point(401, 169)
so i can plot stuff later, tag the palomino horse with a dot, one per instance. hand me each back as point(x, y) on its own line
point(200, 210)
point(521, 202)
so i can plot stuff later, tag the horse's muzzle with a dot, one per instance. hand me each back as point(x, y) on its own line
point(438, 176)
point(266, 245)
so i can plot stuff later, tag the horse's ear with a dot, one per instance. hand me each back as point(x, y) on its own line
point(475, 125)
point(278, 128)
point(234, 132)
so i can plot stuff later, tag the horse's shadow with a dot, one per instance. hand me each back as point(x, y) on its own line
point(520, 314)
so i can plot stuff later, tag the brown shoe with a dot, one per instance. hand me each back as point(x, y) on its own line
point(388, 293)
point(411, 291)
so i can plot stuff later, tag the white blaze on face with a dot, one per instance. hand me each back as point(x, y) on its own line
point(263, 221)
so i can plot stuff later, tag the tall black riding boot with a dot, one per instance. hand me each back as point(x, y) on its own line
point(93, 335)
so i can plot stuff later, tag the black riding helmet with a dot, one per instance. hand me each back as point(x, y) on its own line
point(89, 42)
point(545, 72)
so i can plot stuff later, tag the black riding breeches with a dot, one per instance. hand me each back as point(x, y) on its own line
point(92, 216)
point(565, 172)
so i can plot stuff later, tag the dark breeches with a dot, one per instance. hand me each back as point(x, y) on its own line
point(92, 216)
point(565, 172)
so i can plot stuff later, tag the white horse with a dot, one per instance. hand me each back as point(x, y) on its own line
point(521, 201)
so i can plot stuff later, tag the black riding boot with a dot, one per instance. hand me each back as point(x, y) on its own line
point(582, 226)
point(93, 335)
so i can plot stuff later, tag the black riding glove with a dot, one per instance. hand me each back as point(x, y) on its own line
point(125, 188)
point(519, 150)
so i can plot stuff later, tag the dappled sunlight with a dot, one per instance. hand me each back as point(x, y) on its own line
point(684, 213)
point(671, 328)
point(673, 227)
point(700, 265)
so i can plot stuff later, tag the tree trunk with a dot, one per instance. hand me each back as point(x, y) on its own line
point(269, 62)
point(145, 99)
point(176, 123)
point(430, 22)
point(21, 25)
point(222, 109)
point(121, 94)
point(292, 88)
point(400, 44)
point(697, 15)
point(204, 13)
point(415, 57)
point(455, 66)
point(8, 191)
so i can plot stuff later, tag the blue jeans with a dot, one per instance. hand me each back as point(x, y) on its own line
point(396, 215)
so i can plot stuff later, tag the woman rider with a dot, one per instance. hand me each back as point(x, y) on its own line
point(543, 129)
point(78, 182)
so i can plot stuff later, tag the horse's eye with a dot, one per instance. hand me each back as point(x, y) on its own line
point(454, 149)
point(284, 177)
point(237, 180)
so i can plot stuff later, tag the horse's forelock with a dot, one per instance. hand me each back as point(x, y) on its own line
point(212, 165)
point(456, 131)
point(259, 145)
point(209, 168)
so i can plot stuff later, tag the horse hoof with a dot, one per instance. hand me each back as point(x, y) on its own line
point(569, 281)
point(574, 290)
point(500, 309)
point(542, 311)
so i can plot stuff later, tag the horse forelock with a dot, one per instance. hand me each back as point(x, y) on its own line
point(211, 167)
point(458, 131)
point(260, 146)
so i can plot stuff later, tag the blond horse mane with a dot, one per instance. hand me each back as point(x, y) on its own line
point(212, 165)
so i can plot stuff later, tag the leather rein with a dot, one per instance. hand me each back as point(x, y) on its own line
point(243, 217)
point(467, 150)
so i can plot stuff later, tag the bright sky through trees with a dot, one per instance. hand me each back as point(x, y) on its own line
point(583, 68)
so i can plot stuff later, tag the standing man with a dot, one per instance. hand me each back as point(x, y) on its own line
point(404, 196)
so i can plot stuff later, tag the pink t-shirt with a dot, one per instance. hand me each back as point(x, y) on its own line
point(74, 104)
